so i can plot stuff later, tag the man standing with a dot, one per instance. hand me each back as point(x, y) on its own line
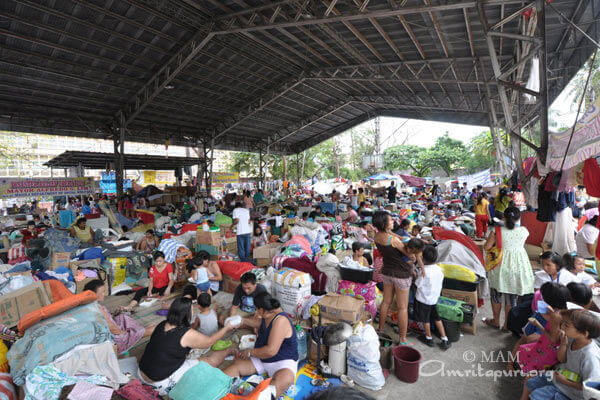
point(392, 192)
point(435, 191)
point(241, 218)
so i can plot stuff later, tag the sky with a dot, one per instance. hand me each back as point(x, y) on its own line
point(396, 131)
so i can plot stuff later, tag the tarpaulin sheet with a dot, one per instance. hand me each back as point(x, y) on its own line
point(414, 180)
point(585, 143)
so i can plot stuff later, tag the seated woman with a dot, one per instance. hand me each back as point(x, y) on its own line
point(86, 234)
point(276, 349)
point(161, 277)
point(165, 361)
point(149, 242)
point(126, 330)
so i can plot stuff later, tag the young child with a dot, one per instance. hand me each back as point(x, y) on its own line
point(358, 251)
point(553, 295)
point(543, 353)
point(206, 321)
point(551, 261)
point(259, 237)
point(363, 233)
point(206, 274)
point(579, 356)
point(574, 271)
point(429, 287)
point(416, 231)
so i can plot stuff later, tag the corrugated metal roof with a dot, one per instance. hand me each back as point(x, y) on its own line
point(271, 73)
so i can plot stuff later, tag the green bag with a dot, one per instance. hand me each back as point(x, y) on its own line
point(450, 309)
point(202, 382)
point(222, 219)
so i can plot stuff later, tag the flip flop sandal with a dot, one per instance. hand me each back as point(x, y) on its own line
point(407, 343)
point(488, 322)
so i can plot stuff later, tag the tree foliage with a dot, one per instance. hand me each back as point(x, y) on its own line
point(447, 154)
point(406, 157)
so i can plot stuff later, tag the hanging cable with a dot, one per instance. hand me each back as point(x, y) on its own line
point(587, 81)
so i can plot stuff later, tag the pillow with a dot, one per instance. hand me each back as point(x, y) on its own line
point(206, 382)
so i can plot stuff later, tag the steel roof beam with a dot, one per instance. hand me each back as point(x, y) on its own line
point(321, 19)
point(254, 107)
point(155, 85)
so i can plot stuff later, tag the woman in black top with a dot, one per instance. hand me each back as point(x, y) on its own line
point(164, 360)
point(397, 271)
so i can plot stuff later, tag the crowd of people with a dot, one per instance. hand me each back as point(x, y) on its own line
point(546, 308)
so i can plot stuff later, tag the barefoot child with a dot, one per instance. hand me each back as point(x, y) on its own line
point(429, 287)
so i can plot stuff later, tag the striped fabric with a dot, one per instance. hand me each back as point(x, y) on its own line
point(169, 247)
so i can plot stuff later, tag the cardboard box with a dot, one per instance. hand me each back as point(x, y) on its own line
point(224, 228)
point(231, 244)
point(212, 238)
point(60, 260)
point(16, 305)
point(469, 298)
point(341, 308)
point(267, 251)
point(263, 262)
point(229, 284)
point(211, 250)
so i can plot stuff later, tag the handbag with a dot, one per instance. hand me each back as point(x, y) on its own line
point(493, 256)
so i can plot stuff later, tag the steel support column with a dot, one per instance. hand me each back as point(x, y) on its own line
point(543, 99)
point(211, 161)
point(119, 147)
point(261, 176)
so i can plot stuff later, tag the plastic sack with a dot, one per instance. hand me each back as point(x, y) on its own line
point(236, 321)
point(206, 382)
point(363, 358)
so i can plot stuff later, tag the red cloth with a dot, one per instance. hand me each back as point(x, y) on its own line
point(235, 269)
point(146, 217)
point(442, 234)
point(598, 247)
point(160, 279)
point(591, 177)
point(189, 228)
point(304, 264)
point(537, 229)
point(93, 216)
point(28, 235)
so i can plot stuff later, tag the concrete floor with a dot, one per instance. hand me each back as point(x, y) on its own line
point(473, 348)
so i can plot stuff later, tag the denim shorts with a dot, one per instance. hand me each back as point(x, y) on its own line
point(542, 389)
point(203, 287)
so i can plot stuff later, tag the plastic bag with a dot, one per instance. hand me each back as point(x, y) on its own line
point(363, 358)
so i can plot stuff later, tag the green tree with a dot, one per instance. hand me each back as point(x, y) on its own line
point(447, 154)
point(578, 84)
point(405, 157)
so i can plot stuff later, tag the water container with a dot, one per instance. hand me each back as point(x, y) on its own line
point(337, 359)
point(301, 338)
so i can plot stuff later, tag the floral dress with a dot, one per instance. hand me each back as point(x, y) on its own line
point(514, 274)
point(540, 355)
